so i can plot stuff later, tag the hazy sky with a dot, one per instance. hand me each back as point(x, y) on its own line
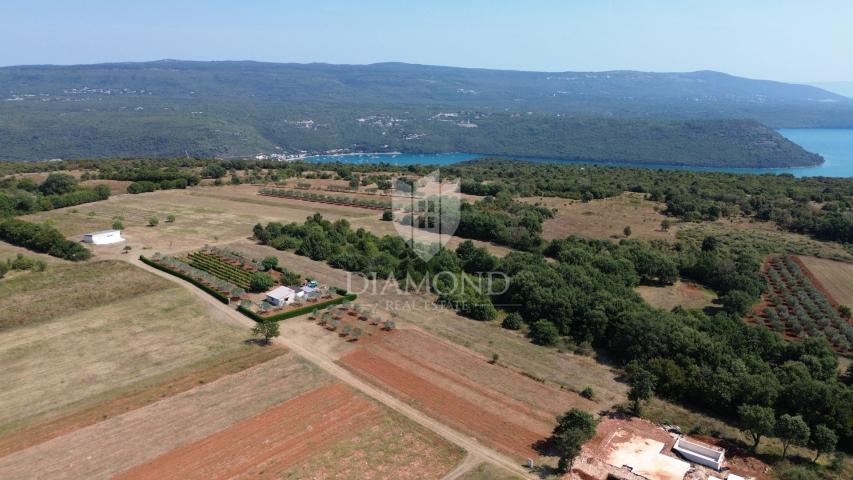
point(805, 41)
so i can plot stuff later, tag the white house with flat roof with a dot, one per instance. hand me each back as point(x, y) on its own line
point(104, 237)
point(281, 296)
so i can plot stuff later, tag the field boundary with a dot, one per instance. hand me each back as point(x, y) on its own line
point(347, 297)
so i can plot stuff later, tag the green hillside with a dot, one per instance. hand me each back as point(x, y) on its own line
point(233, 109)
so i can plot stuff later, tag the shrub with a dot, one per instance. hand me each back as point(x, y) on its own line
point(118, 225)
point(269, 262)
point(170, 218)
point(588, 393)
point(512, 321)
point(545, 333)
point(387, 215)
point(153, 221)
point(260, 282)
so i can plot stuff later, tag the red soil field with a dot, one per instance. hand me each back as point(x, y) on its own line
point(493, 403)
point(266, 445)
point(446, 405)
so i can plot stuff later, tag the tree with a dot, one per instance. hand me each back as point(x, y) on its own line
point(823, 440)
point(260, 281)
point(737, 302)
point(642, 384)
point(544, 333)
point(387, 215)
point(574, 428)
point(267, 329)
point(58, 184)
point(170, 218)
point(588, 393)
point(844, 311)
point(153, 221)
point(791, 430)
point(627, 230)
point(269, 262)
point(512, 321)
point(126, 249)
point(709, 244)
point(665, 224)
point(118, 225)
point(756, 421)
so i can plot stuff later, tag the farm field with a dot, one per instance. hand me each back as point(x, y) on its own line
point(835, 278)
point(137, 395)
point(22, 297)
point(796, 308)
point(689, 295)
point(204, 215)
point(87, 342)
point(604, 219)
point(573, 372)
point(331, 432)
point(464, 390)
point(143, 434)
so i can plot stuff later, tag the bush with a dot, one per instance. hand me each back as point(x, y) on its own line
point(153, 221)
point(544, 333)
point(170, 218)
point(588, 393)
point(512, 321)
point(58, 184)
point(387, 215)
point(260, 282)
point(269, 262)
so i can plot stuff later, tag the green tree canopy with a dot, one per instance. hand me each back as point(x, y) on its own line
point(756, 421)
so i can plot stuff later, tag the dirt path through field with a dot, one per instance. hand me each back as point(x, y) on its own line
point(470, 444)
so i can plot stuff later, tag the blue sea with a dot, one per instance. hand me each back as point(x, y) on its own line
point(835, 145)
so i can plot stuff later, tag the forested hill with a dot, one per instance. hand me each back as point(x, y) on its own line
point(238, 108)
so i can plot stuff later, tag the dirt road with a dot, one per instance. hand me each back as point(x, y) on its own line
point(471, 445)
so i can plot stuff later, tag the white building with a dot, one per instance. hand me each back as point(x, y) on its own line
point(280, 296)
point(104, 237)
point(699, 453)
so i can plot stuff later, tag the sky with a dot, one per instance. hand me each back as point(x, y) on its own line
point(786, 40)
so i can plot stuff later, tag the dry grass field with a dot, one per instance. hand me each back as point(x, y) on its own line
point(10, 251)
point(688, 295)
point(283, 418)
point(604, 219)
point(75, 333)
point(119, 443)
point(65, 289)
point(136, 395)
point(834, 278)
point(205, 215)
point(328, 432)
